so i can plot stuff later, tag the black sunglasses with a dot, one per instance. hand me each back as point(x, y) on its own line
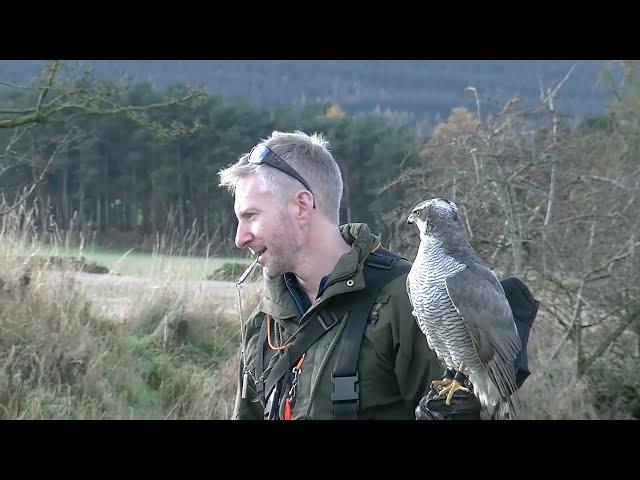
point(261, 154)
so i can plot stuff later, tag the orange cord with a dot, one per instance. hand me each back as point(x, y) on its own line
point(299, 365)
point(283, 347)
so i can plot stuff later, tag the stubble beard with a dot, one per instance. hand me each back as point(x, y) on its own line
point(283, 250)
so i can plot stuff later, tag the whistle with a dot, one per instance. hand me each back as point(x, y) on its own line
point(246, 273)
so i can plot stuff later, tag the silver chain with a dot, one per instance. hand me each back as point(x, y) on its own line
point(243, 353)
point(245, 374)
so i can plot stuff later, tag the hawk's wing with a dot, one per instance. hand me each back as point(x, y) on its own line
point(479, 298)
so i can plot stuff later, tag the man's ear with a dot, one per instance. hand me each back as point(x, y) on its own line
point(304, 205)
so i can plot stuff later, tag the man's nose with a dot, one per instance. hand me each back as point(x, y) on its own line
point(243, 236)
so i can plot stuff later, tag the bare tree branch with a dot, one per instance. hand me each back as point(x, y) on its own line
point(609, 339)
point(17, 202)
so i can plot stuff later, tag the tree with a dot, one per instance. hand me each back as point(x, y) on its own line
point(554, 207)
point(59, 96)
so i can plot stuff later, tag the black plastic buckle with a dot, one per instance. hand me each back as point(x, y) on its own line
point(345, 389)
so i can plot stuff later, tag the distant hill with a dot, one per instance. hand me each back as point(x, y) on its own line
point(419, 93)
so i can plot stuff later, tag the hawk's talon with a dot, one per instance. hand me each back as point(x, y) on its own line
point(440, 384)
point(452, 388)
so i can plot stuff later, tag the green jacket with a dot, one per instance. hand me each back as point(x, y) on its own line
point(395, 364)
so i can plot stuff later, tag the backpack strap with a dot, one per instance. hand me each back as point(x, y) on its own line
point(323, 322)
point(379, 270)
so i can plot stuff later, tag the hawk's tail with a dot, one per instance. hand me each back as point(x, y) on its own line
point(508, 409)
point(498, 392)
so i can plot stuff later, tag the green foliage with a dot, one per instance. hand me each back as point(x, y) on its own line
point(120, 176)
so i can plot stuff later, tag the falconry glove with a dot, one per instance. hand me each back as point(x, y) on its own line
point(464, 406)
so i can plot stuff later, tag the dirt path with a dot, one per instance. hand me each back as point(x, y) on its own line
point(116, 296)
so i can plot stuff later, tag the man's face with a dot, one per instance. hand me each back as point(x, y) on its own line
point(265, 227)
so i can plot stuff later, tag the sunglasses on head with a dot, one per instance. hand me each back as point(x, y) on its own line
point(261, 154)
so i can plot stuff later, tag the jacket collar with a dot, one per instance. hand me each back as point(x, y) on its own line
point(345, 277)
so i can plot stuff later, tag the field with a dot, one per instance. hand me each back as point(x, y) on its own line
point(134, 263)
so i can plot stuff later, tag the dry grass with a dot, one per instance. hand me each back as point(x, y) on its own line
point(172, 356)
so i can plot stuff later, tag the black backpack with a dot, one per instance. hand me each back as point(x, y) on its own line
point(525, 309)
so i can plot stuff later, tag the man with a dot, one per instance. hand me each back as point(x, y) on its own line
point(319, 275)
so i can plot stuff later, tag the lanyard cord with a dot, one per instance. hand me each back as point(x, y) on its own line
point(243, 353)
point(273, 347)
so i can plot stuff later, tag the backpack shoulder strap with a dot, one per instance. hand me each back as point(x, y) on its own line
point(379, 269)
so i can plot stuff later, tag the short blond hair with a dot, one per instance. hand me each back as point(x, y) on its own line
point(309, 155)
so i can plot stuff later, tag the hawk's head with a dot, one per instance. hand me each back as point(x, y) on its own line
point(434, 217)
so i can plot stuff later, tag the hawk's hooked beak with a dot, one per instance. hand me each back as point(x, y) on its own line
point(410, 219)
